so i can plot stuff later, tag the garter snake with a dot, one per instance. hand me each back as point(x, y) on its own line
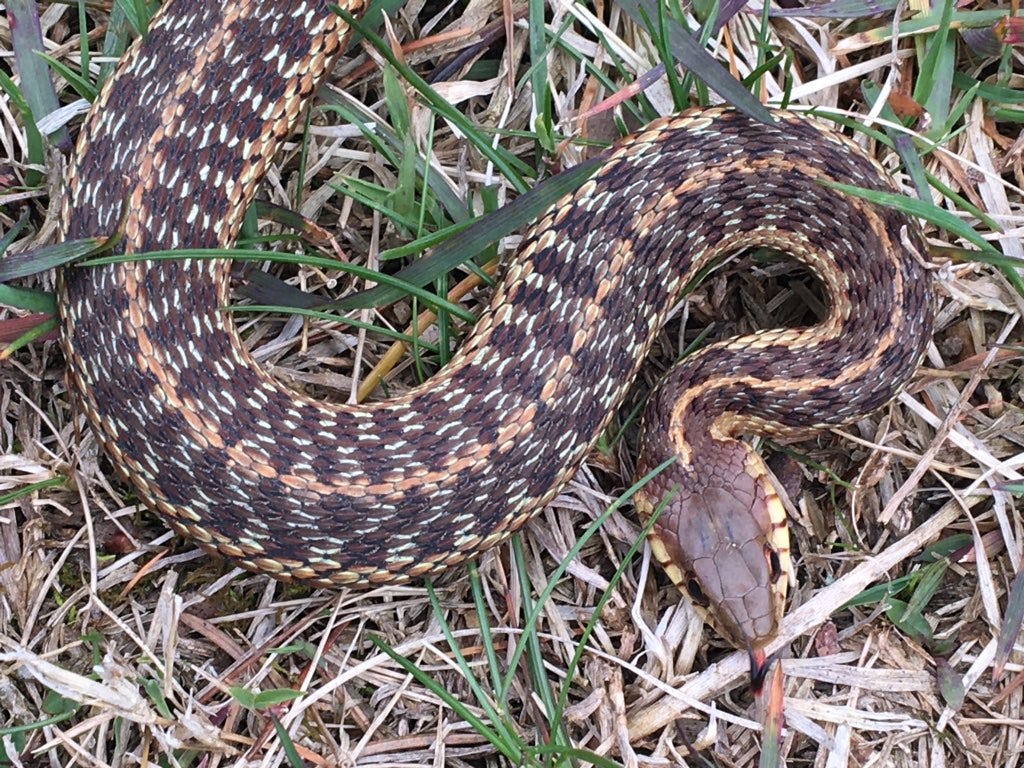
point(170, 157)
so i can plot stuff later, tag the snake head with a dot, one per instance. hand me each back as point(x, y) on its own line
point(722, 539)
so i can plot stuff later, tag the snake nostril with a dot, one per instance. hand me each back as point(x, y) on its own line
point(696, 593)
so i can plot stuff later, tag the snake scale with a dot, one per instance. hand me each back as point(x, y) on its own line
point(336, 494)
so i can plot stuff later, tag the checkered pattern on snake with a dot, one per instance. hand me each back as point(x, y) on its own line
point(357, 494)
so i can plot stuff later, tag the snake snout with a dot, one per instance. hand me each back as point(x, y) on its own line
point(739, 583)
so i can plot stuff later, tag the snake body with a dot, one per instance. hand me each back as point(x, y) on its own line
point(360, 494)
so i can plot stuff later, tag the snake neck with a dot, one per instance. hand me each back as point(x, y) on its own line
point(721, 534)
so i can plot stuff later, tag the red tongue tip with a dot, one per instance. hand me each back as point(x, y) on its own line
point(759, 665)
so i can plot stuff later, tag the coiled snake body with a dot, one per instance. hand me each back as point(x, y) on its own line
point(360, 494)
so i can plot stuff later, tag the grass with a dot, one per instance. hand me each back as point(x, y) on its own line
point(120, 644)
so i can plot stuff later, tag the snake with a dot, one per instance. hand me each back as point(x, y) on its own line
point(340, 494)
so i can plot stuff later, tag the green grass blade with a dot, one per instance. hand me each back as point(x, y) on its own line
point(36, 150)
point(902, 143)
point(502, 729)
point(591, 625)
point(574, 552)
point(482, 233)
point(929, 212)
point(1013, 618)
point(510, 167)
point(530, 647)
point(29, 336)
point(384, 139)
point(36, 260)
point(287, 745)
point(700, 62)
point(935, 76)
point(138, 13)
point(36, 84)
point(82, 85)
point(539, 76)
point(330, 316)
point(28, 490)
point(242, 254)
point(461, 710)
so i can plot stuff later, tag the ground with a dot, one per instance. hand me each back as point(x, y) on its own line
point(122, 644)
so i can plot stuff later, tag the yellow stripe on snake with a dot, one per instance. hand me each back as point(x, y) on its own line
point(335, 494)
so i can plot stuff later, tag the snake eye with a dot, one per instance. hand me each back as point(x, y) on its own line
point(774, 562)
point(696, 593)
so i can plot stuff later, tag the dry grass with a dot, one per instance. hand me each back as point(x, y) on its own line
point(121, 645)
